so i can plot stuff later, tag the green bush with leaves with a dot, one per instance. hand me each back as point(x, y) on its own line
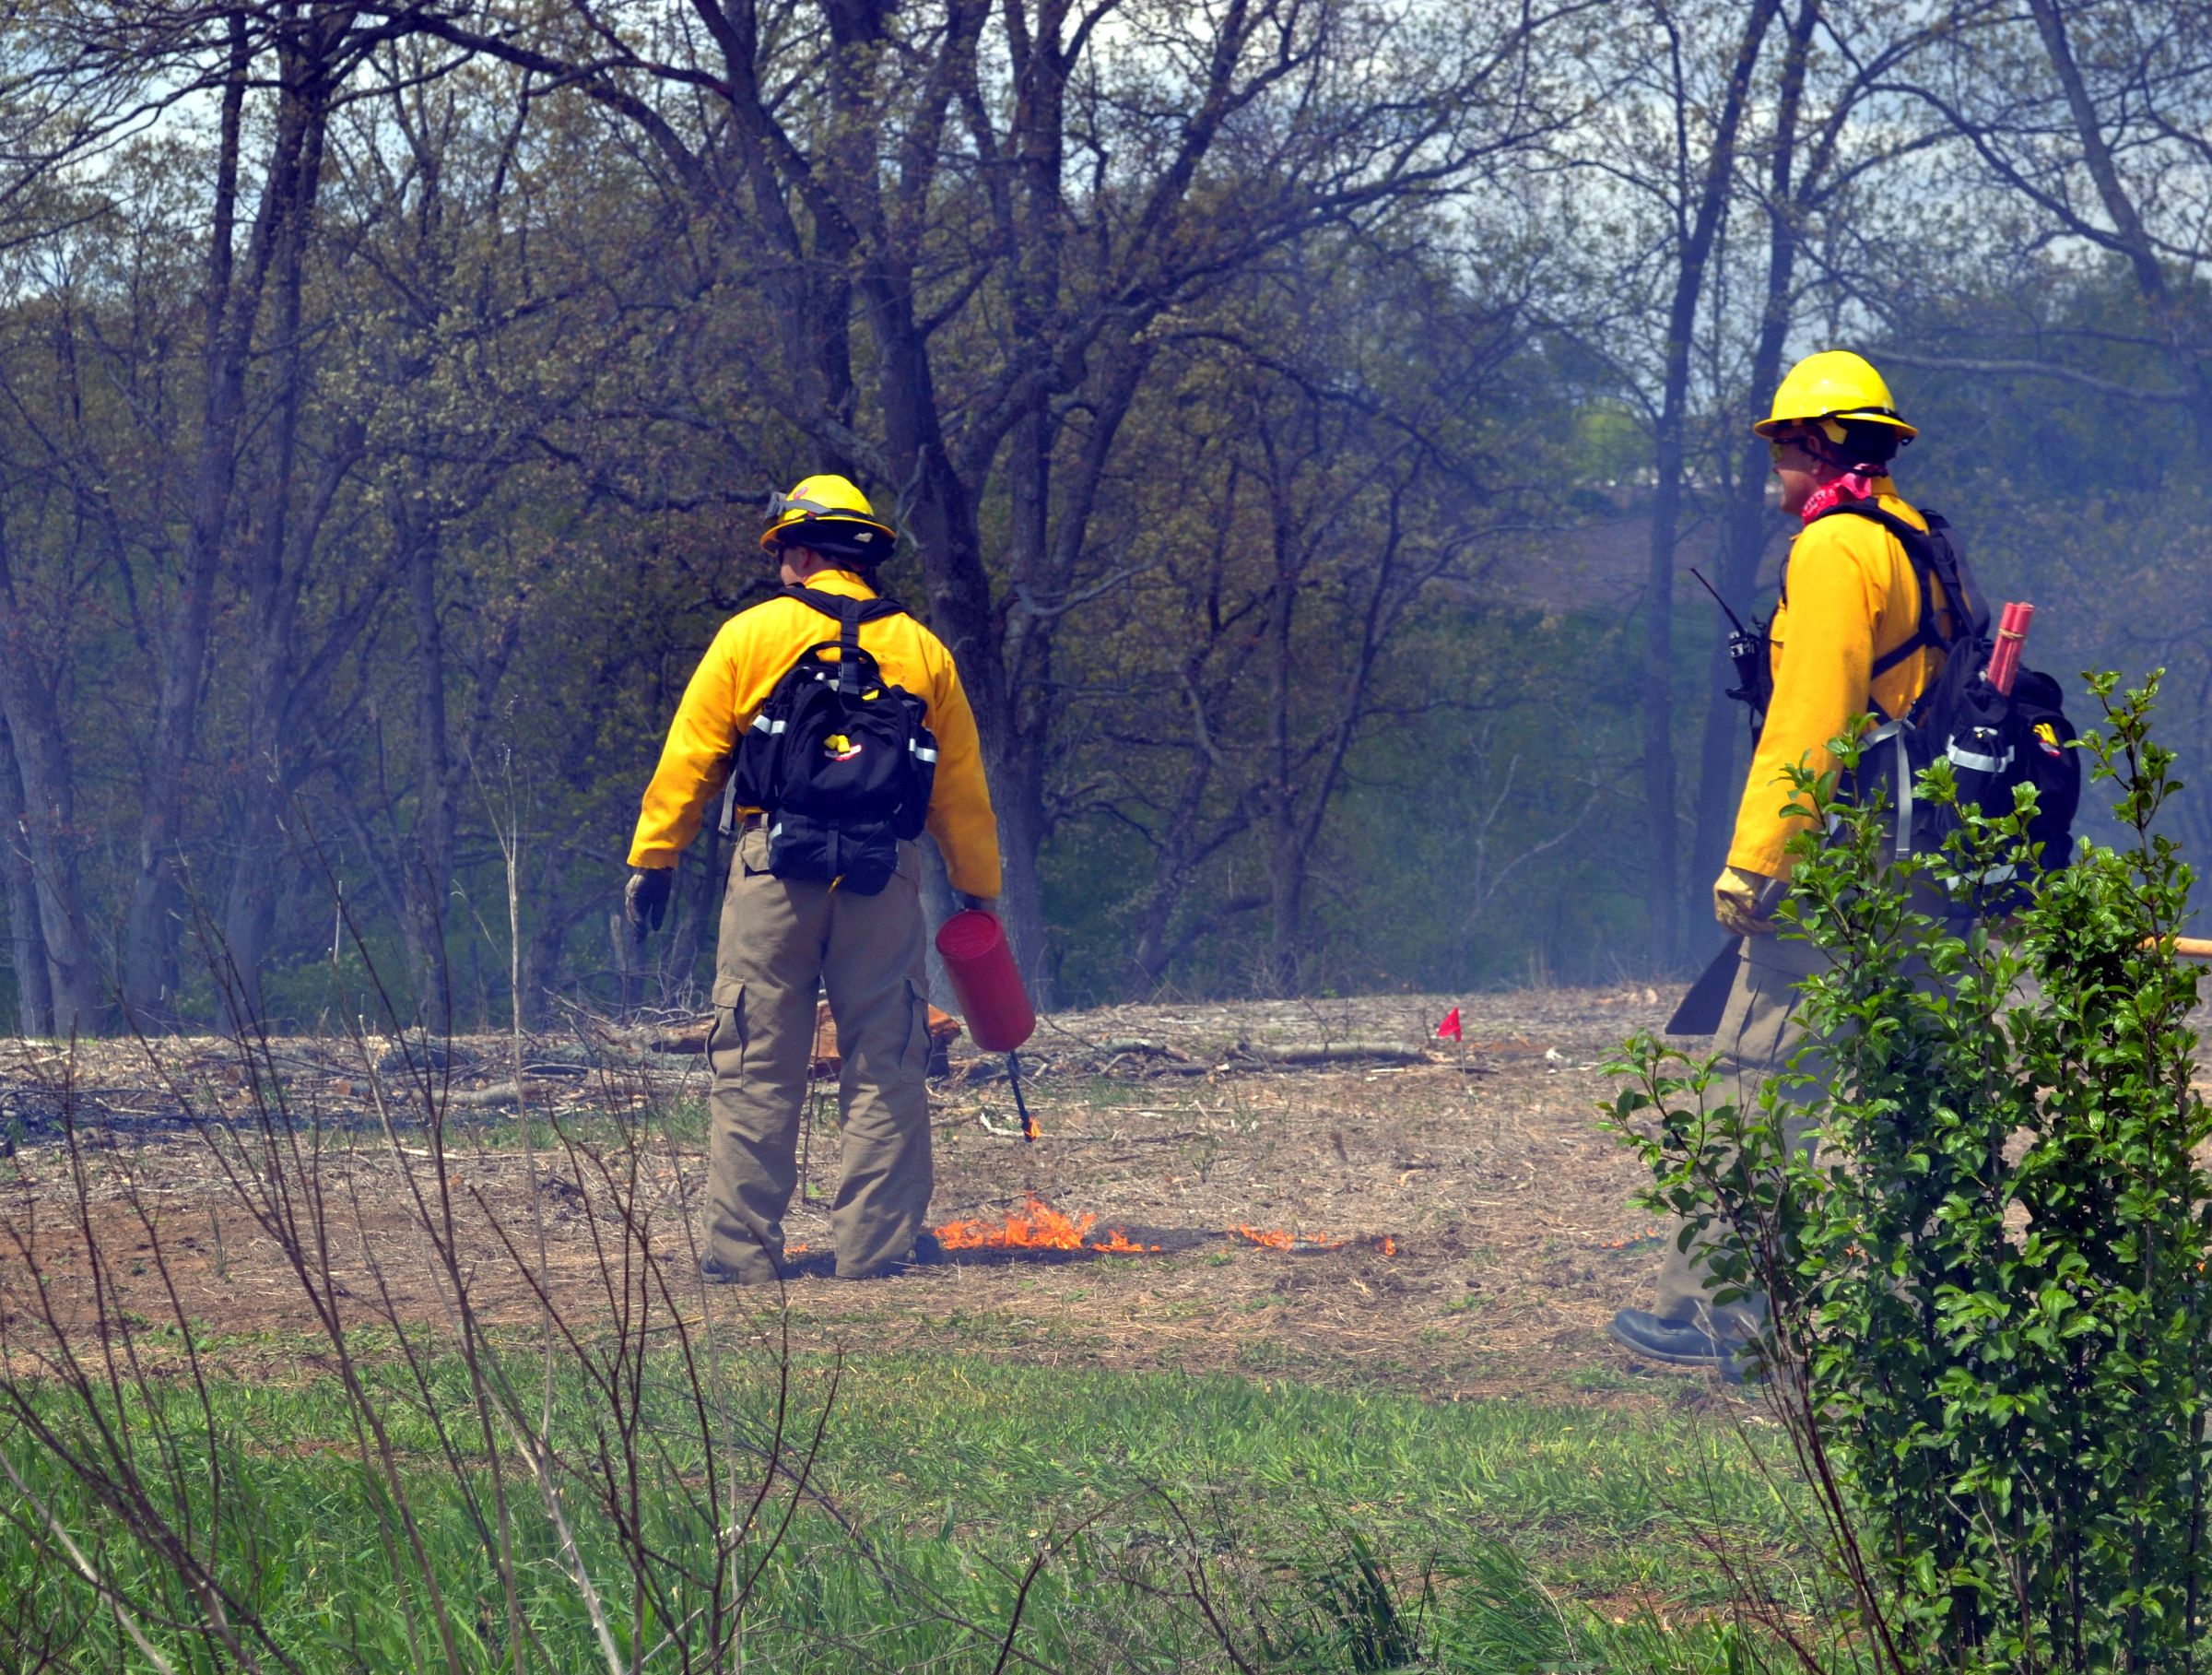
point(1985, 1266)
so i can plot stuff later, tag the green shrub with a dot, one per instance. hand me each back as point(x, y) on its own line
point(1989, 1306)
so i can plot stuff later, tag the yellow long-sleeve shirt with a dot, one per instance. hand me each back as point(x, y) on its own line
point(1850, 597)
point(748, 656)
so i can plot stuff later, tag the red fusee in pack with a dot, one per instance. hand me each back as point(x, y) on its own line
point(2005, 661)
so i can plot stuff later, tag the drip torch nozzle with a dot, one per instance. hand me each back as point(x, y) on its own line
point(1028, 1125)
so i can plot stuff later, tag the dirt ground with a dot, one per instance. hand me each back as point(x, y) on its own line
point(1463, 1226)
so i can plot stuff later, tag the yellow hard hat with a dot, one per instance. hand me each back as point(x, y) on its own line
point(1831, 389)
point(828, 513)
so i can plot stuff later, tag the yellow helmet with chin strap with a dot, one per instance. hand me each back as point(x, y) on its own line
point(1832, 389)
point(828, 513)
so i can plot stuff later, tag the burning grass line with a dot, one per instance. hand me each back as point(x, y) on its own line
point(1042, 1227)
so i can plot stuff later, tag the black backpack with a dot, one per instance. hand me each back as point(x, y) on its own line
point(839, 761)
point(1995, 741)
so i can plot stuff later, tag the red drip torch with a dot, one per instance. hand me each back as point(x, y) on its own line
point(2005, 661)
point(987, 984)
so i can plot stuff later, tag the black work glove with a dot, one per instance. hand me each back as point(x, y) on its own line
point(646, 902)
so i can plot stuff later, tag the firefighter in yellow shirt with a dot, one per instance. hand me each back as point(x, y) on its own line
point(1846, 639)
point(781, 936)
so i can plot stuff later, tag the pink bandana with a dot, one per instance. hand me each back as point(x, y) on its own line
point(1851, 486)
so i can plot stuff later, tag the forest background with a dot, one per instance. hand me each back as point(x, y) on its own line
point(1300, 417)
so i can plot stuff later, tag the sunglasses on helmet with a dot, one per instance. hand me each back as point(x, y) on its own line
point(777, 504)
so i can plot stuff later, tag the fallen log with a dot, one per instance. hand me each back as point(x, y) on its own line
point(1334, 1053)
point(499, 1093)
point(684, 1038)
point(944, 1029)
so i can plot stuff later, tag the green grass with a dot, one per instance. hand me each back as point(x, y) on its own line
point(1320, 1513)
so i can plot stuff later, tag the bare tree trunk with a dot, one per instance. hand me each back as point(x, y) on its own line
point(1286, 866)
point(150, 926)
point(1043, 580)
point(430, 868)
point(938, 905)
point(2190, 369)
point(27, 942)
point(549, 939)
point(941, 517)
point(47, 819)
point(1181, 849)
point(1187, 841)
point(1663, 882)
point(1663, 874)
point(277, 560)
point(1744, 535)
point(1040, 556)
point(1018, 767)
point(699, 906)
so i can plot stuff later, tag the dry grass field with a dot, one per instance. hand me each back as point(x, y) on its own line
point(1292, 1308)
point(1457, 1223)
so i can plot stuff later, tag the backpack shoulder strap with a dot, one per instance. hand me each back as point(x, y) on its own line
point(1933, 557)
point(836, 605)
point(850, 614)
point(1968, 601)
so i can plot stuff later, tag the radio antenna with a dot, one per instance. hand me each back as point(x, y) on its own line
point(1734, 622)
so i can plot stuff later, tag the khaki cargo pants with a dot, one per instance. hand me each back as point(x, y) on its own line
point(779, 939)
point(1760, 1028)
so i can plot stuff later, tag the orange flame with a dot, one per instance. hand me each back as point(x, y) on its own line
point(1037, 1226)
point(1276, 1238)
point(1117, 1243)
